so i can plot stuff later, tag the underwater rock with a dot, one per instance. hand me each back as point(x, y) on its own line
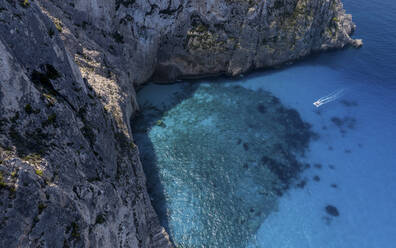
point(160, 123)
point(348, 122)
point(337, 121)
point(302, 184)
point(316, 178)
point(331, 210)
point(327, 220)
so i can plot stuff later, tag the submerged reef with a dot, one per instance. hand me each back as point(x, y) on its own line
point(333, 211)
point(219, 163)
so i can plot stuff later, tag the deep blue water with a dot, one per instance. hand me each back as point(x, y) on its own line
point(205, 145)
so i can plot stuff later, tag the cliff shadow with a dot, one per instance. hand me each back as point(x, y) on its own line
point(203, 131)
point(155, 100)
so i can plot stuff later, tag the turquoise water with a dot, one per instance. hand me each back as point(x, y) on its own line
point(212, 150)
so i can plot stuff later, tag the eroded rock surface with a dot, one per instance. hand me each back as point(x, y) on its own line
point(70, 174)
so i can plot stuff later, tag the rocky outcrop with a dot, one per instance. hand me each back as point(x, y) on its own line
point(232, 37)
point(70, 174)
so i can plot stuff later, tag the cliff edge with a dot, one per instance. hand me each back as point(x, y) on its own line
point(70, 174)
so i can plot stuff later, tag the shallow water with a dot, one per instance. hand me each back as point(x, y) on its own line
point(192, 138)
point(223, 156)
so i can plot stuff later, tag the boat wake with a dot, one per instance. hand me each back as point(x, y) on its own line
point(329, 98)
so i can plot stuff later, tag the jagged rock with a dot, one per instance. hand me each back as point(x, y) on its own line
point(70, 174)
point(357, 43)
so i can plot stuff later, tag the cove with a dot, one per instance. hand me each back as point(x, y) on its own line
point(217, 158)
point(340, 192)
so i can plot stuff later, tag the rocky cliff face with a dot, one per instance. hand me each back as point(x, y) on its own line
point(70, 174)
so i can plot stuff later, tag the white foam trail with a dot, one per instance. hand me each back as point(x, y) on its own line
point(329, 98)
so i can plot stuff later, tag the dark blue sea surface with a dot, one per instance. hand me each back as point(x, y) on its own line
point(253, 163)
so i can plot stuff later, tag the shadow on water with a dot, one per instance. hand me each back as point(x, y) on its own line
point(216, 158)
point(141, 125)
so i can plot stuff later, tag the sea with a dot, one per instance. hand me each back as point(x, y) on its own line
point(252, 162)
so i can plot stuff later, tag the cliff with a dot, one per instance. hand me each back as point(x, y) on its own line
point(70, 174)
